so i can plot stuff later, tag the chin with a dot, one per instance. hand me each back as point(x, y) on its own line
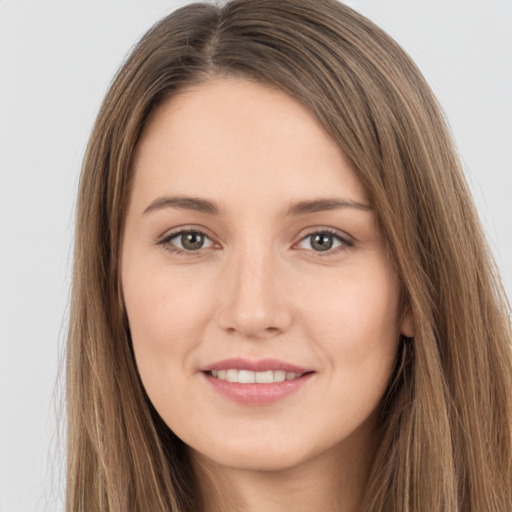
point(262, 460)
point(259, 455)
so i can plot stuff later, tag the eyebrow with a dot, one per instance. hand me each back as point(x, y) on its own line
point(210, 208)
point(320, 205)
point(183, 203)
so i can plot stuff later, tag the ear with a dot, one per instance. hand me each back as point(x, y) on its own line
point(407, 324)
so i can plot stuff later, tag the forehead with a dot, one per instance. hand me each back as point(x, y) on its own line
point(235, 137)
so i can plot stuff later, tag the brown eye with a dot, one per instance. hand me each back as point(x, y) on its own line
point(188, 241)
point(192, 241)
point(322, 241)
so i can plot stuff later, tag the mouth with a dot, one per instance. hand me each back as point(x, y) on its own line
point(252, 377)
point(256, 382)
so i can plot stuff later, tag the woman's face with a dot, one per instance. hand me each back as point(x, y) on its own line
point(262, 306)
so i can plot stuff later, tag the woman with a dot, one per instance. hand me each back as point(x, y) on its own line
point(282, 296)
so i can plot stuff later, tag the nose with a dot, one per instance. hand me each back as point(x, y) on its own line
point(253, 301)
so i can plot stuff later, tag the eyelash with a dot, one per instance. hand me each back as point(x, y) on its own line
point(166, 242)
point(345, 243)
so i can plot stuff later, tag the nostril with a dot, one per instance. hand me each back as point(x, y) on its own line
point(254, 319)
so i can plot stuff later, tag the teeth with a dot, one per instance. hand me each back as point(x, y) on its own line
point(248, 377)
point(232, 375)
point(264, 377)
point(280, 375)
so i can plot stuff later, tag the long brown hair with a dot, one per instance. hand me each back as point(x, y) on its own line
point(447, 416)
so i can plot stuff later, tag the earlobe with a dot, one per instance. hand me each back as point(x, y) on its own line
point(407, 325)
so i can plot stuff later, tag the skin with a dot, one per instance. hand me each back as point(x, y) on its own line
point(260, 288)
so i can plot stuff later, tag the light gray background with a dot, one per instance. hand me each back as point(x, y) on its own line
point(56, 61)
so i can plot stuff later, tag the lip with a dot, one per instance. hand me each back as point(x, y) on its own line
point(259, 365)
point(256, 394)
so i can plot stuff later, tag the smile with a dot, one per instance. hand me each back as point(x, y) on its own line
point(250, 377)
point(256, 383)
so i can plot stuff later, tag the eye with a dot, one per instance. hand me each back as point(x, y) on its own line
point(324, 241)
point(187, 241)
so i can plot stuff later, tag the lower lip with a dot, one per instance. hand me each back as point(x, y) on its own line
point(257, 394)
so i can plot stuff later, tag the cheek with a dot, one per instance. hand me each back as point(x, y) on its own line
point(167, 315)
point(355, 309)
point(355, 326)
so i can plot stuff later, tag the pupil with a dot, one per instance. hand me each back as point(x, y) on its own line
point(322, 242)
point(192, 241)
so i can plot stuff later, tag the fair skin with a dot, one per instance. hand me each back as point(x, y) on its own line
point(264, 272)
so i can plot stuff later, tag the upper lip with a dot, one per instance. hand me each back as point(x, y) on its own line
point(259, 365)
